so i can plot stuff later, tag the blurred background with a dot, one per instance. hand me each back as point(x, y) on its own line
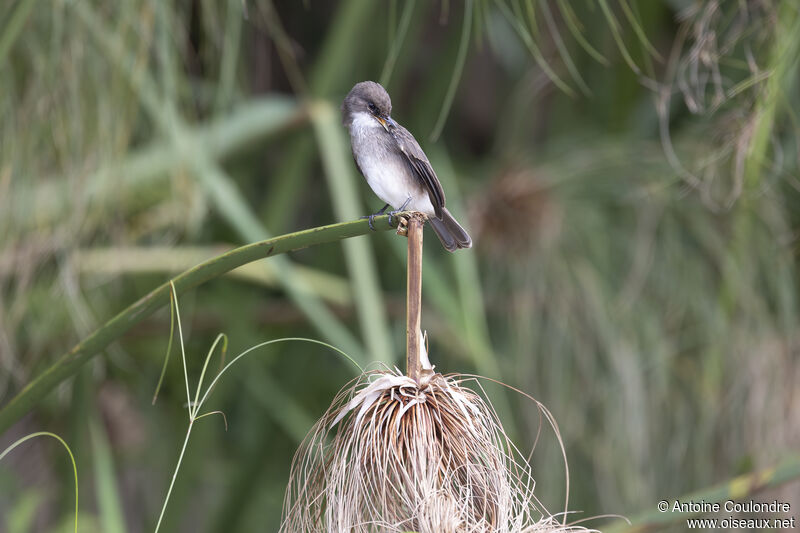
point(628, 170)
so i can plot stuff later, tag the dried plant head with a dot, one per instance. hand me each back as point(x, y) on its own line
point(393, 455)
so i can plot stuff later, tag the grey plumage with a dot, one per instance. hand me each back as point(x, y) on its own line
point(393, 163)
point(420, 166)
point(450, 232)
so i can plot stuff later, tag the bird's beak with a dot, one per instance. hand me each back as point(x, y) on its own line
point(386, 121)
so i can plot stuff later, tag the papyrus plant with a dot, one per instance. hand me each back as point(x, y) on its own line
point(391, 454)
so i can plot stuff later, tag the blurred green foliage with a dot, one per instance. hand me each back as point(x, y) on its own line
point(628, 170)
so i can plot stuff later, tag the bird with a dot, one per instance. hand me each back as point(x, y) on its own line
point(394, 165)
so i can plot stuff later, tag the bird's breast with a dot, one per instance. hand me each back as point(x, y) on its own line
point(384, 168)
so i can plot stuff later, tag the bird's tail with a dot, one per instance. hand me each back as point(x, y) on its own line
point(450, 232)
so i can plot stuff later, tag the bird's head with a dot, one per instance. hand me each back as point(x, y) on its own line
point(368, 100)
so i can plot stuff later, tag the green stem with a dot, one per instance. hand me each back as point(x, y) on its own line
point(174, 475)
point(69, 363)
point(71, 458)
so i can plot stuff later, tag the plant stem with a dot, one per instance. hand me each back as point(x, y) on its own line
point(69, 363)
point(174, 475)
point(414, 295)
point(69, 451)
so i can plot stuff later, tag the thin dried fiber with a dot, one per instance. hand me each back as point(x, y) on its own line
point(391, 456)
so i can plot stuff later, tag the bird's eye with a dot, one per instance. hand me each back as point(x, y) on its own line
point(373, 108)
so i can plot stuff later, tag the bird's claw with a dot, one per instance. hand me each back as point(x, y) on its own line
point(370, 219)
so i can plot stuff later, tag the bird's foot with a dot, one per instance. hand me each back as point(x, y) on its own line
point(392, 214)
point(371, 218)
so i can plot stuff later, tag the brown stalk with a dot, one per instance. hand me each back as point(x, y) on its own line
point(414, 295)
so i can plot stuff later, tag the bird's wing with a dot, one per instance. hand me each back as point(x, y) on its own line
point(420, 166)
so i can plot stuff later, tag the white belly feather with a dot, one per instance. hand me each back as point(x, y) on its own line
point(387, 175)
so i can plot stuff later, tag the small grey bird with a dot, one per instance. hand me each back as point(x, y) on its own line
point(393, 163)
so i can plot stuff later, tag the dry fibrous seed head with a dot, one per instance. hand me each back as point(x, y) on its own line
point(393, 455)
